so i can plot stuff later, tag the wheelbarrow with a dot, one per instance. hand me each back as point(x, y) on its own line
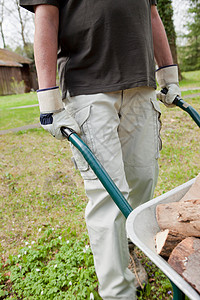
point(143, 234)
point(135, 228)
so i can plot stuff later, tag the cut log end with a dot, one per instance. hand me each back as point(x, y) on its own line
point(166, 241)
point(185, 260)
point(179, 239)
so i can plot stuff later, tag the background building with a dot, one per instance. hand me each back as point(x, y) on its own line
point(17, 73)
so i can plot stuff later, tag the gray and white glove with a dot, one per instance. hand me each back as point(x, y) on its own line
point(53, 115)
point(167, 77)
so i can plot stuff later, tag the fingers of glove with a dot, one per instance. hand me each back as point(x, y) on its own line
point(58, 120)
point(162, 98)
point(63, 118)
point(173, 92)
point(55, 132)
point(67, 121)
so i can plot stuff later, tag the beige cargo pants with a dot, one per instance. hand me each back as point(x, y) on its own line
point(122, 129)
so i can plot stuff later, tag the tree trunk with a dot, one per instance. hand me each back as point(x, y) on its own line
point(1, 23)
point(172, 45)
point(22, 27)
point(166, 13)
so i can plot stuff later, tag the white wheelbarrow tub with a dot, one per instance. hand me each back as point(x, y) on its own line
point(142, 227)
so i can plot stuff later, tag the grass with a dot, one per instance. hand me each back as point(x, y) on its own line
point(18, 100)
point(18, 117)
point(42, 203)
point(190, 79)
point(37, 173)
point(191, 93)
point(12, 118)
point(180, 155)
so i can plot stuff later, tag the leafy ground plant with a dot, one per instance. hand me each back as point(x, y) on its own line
point(52, 268)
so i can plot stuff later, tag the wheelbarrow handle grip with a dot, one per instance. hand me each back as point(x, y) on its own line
point(67, 132)
point(185, 106)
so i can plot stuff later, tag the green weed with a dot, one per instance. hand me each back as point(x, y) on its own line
point(52, 268)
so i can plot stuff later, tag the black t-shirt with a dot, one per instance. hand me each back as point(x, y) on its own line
point(104, 45)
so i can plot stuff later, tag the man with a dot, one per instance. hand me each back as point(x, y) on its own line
point(107, 77)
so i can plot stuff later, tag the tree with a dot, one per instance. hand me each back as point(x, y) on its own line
point(190, 53)
point(165, 10)
point(16, 27)
point(23, 18)
point(1, 22)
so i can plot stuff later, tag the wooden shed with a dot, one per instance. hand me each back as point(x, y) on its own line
point(17, 74)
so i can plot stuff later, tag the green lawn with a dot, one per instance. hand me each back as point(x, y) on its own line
point(44, 247)
point(12, 118)
point(190, 79)
point(18, 100)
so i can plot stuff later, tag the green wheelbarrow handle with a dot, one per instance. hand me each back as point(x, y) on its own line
point(98, 169)
point(177, 293)
point(186, 107)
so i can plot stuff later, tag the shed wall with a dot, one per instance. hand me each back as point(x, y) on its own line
point(9, 76)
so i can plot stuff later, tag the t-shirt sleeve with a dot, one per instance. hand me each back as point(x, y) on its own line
point(153, 2)
point(29, 4)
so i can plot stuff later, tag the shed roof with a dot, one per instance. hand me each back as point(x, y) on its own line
point(11, 59)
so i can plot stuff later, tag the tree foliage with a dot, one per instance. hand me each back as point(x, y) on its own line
point(16, 27)
point(165, 10)
point(190, 53)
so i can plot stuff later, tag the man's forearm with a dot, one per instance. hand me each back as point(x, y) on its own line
point(45, 44)
point(162, 50)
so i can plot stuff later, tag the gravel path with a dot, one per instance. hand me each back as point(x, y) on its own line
point(26, 127)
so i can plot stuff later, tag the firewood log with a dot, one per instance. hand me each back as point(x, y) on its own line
point(194, 191)
point(183, 217)
point(185, 260)
point(166, 241)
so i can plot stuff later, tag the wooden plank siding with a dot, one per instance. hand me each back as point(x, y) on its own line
point(7, 74)
point(17, 74)
point(12, 79)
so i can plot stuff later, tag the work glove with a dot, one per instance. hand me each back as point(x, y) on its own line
point(167, 78)
point(53, 115)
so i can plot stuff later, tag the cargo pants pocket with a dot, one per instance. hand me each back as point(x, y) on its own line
point(82, 117)
point(158, 125)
